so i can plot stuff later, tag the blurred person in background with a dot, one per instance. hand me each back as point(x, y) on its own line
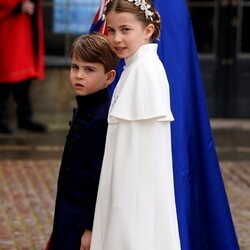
point(22, 59)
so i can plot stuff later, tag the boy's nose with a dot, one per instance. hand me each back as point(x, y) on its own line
point(80, 75)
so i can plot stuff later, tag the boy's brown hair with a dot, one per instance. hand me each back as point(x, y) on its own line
point(94, 48)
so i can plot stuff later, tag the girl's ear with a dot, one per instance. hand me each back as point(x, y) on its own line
point(149, 31)
point(110, 77)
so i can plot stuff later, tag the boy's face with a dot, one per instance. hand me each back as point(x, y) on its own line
point(87, 78)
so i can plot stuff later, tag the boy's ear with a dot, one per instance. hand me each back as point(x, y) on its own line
point(110, 77)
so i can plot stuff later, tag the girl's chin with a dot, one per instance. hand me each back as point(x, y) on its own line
point(121, 56)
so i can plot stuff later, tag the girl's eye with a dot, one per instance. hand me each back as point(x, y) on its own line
point(125, 29)
point(110, 31)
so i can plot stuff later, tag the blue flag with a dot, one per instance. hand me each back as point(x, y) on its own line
point(203, 211)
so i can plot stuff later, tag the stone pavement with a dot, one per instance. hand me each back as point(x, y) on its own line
point(29, 165)
point(27, 202)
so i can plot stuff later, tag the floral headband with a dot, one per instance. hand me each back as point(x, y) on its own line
point(142, 5)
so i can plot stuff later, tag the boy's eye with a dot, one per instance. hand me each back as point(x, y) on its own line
point(89, 69)
point(73, 66)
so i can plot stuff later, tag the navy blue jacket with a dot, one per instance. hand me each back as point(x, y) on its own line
point(80, 171)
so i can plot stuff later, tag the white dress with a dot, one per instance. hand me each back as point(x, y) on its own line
point(135, 207)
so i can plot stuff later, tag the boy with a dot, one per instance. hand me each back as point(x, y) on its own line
point(92, 71)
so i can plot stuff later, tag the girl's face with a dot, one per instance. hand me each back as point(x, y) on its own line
point(126, 34)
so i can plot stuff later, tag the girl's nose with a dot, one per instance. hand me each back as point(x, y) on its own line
point(117, 38)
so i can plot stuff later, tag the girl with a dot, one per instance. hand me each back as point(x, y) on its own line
point(136, 205)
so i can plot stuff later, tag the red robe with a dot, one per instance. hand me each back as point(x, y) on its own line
point(21, 43)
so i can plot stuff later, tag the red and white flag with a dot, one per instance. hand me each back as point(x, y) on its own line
point(99, 23)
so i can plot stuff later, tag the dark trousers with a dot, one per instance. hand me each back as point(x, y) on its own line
point(20, 93)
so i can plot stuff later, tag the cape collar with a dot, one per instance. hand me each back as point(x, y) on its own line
point(151, 47)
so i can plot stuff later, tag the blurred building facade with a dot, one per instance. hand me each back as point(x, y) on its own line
point(223, 42)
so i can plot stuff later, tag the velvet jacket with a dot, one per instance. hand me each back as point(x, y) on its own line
point(80, 171)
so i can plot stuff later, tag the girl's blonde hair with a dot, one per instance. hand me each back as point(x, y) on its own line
point(130, 7)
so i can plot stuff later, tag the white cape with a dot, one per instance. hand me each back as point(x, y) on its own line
point(135, 207)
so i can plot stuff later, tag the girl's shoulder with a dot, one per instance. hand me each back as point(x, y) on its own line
point(144, 91)
point(147, 69)
point(148, 63)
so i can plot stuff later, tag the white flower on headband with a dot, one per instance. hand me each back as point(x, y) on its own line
point(140, 3)
point(144, 7)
